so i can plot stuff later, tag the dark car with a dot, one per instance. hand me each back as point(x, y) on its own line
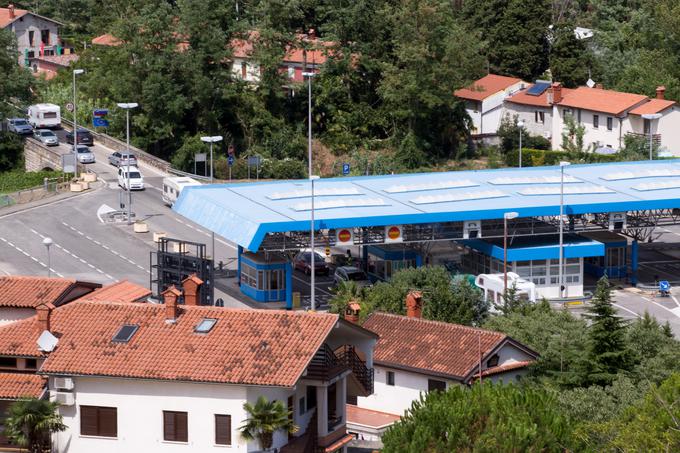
point(303, 262)
point(351, 274)
point(84, 137)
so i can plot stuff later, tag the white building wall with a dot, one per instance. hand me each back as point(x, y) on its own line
point(252, 70)
point(667, 126)
point(29, 22)
point(10, 314)
point(601, 135)
point(271, 393)
point(474, 111)
point(527, 113)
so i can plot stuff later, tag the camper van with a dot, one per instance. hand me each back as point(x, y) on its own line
point(173, 185)
point(42, 116)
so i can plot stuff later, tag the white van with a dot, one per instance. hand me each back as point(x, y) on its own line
point(44, 116)
point(136, 179)
point(173, 185)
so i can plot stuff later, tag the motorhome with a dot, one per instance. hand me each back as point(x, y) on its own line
point(493, 288)
point(173, 185)
point(44, 116)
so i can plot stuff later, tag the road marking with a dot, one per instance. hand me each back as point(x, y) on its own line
point(675, 300)
point(32, 257)
point(69, 252)
point(626, 309)
point(669, 231)
point(308, 284)
point(207, 234)
point(658, 304)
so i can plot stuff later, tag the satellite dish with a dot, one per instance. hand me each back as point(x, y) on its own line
point(47, 342)
point(590, 83)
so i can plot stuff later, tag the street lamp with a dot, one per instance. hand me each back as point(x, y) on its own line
point(520, 125)
point(561, 274)
point(47, 242)
point(127, 106)
point(211, 140)
point(75, 110)
point(650, 117)
point(309, 76)
point(507, 216)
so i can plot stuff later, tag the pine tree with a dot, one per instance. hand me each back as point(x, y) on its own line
point(667, 330)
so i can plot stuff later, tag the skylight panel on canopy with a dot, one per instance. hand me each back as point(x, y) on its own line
point(436, 185)
point(340, 203)
point(507, 181)
point(657, 186)
point(651, 173)
point(571, 190)
point(318, 192)
point(465, 196)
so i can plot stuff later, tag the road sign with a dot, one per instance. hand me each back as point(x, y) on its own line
point(254, 161)
point(345, 169)
point(68, 163)
point(69, 106)
point(201, 157)
point(100, 112)
point(100, 122)
point(328, 251)
point(230, 160)
point(664, 285)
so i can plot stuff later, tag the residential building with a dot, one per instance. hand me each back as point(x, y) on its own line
point(47, 66)
point(484, 102)
point(534, 108)
point(169, 377)
point(37, 36)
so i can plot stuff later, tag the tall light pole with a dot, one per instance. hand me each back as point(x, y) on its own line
point(75, 110)
point(127, 106)
point(309, 76)
point(651, 117)
point(561, 274)
point(211, 140)
point(507, 216)
point(47, 242)
point(520, 125)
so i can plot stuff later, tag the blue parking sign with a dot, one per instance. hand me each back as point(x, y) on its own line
point(230, 160)
point(664, 285)
point(345, 168)
point(100, 122)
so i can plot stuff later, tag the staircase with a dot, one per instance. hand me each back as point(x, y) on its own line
point(360, 372)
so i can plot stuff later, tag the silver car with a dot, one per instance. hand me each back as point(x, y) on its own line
point(19, 126)
point(120, 159)
point(84, 155)
point(351, 274)
point(46, 137)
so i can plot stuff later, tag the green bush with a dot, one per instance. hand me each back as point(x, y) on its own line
point(269, 169)
point(15, 180)
point(11, 151)
point(535, 157)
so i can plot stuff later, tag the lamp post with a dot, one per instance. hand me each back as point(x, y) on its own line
point(561, 261)
point(520, 125)
point(211, 140)
point(312, 272)
point(507, 216)
point(47, 242)
point(127, 106)
point(75, 110)
point(651, 117)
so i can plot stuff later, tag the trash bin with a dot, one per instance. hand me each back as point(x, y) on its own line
point(296, 300)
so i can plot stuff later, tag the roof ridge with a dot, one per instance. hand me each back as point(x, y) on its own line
point(431, 321)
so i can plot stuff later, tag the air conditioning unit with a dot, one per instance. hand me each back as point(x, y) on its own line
point(64, 398)
point(617, 221)
point(63, 383)
point(472, 229)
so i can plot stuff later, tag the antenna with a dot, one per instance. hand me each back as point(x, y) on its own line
point(47, 342)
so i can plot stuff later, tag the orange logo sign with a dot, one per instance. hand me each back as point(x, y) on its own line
point(344, 236)
point(393, 233)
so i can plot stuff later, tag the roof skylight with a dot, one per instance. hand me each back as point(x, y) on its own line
point(533, 180)
point(572, 190)
point(205, 325)
point(652, 173)
point(657, 186)
point(436, 185)
point(465, 196)
point(340, 203)
point(125, 333)
point(318, 192)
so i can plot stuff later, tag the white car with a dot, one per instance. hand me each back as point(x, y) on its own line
point(136, 178)
point(84, 155)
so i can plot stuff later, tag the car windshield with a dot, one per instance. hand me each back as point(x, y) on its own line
point(307, 257)
point(83, 150)
point(47, 134)
point(356, 276)
point(20, 123)
point(125, 156)
point(135, 175)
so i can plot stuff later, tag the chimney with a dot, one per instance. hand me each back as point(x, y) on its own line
point(352, 312)
point(12, 15)
point(191, 285)
point(311, 34)
point(661, 92)
point(599, 86)
point(414, 304)
point(557, 92)
point(170, 297)
point(44, 312)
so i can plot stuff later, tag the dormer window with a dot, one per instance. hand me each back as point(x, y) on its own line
point(8, 362)
point(492, 362)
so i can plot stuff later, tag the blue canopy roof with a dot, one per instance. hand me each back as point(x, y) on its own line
point(245, 213)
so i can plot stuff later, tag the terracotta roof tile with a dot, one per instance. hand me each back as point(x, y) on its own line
point(653, 106)
point(486, 86)
point(106, 39)
point(521, 97)
point(18, 385)
point(433, 347)
point(599, 100)
point(122, 291)
point(61, 60)
point(29, 292)
point(258, 347)
point(505, 367)
point(368, 417)
point(5, 20)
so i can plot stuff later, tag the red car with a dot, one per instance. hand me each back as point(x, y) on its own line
point(303, 262)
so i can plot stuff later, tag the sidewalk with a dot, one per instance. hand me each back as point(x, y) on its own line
point(8, 210)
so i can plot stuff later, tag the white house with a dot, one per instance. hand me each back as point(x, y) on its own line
point(173, 378)
point(36, 35)
point(414, 356)
point(484, 102)
point(533, 107)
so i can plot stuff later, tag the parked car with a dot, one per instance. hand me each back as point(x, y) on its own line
point(84, 137)
point(120, 159)
point(84, 155)
point(351, 274)
point(136, 178)
point(303, 262)
point(46, 137)
point(19, 126)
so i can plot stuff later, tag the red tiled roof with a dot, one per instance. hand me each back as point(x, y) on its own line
point(486, 86)
point(61, 60)
point(19, 385)
point(653, 106)
point(122, 291)
point(368, 417)
point(258, 347)
point(29, 292)
point(5, 20)
point(521, 97)
point(599, 100)
point(433, 347)
point(107, 39)
point(505, 367)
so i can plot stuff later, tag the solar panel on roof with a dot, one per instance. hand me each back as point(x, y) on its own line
point(657, 186)
point(437, 185)
point(652, 173)
point(318, 192)
point(533, 180)
point(205, 325)
point(571, 190)
point(538, 88)
point(340, 203)
point(125, 333)
point(452, 196)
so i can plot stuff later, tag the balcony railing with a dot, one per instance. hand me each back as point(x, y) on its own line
point(325, 365)
point(348, 356)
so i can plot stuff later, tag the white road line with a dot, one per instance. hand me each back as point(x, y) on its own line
point(68, 252)
point(659, 305)
point(207, 234)
point(675, 300)
point(308, 284)
point(123, 257)
point(624, 308)
point(30, 256)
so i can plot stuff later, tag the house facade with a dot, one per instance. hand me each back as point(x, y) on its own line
point(36, 35)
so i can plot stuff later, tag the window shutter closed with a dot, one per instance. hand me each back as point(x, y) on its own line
point(168, 426)
point(181, 426)
point(108, 422)
point(223, 429)
point(88, 421)
point(175, 426)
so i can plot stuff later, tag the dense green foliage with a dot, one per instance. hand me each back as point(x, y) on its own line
point(12, 181)
point(11, 152)
point(264, 418)
point(30, 422)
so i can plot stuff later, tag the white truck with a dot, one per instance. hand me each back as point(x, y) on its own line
point(42, 116)
point(173, 185)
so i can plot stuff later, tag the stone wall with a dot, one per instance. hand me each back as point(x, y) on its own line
point(38, 156)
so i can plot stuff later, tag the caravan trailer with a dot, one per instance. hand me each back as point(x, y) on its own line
point(42, 116)
point(173, 185)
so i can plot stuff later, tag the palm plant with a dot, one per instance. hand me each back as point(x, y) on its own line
point(30, 423)
point(264, 418)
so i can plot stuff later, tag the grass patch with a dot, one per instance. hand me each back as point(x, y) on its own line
point(12, 181)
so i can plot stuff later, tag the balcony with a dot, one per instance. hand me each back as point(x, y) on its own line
point(328, 364)
point(360, 372)
point(325, 365)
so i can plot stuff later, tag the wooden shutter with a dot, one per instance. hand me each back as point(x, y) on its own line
point(88, 421)
point(168, 425)
point(175, 426)
point(182, 434)
point(223, 429)
point(108, 422)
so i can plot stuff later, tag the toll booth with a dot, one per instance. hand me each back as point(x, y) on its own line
point(614, 261)
point(266, 277)
point(382, 261)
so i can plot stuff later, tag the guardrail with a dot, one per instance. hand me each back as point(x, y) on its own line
point(190, 175)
